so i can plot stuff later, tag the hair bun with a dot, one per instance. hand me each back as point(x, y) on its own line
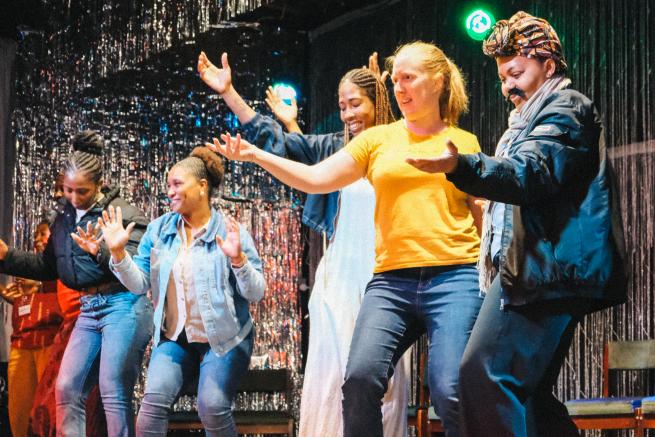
point(88, 141)
point(213, 164)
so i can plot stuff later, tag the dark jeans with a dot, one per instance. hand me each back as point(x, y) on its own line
point(398, 307)
point(510, 366)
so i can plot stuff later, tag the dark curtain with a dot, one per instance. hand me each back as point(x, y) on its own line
point(7, 160)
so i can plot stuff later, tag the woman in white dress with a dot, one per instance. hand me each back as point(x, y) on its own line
point(347, 264)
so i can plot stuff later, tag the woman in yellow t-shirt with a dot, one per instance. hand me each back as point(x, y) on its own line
point(426, 239)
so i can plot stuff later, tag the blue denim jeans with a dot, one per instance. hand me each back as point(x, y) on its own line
point(511, 364)
point(106, 348)
point(398, 307)
point(174, 363)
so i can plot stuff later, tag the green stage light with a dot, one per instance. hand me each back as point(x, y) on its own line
point(479, 23)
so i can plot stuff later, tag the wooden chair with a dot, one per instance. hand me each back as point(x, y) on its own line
point(421, 414)
point(609, 412)
point(250, 422)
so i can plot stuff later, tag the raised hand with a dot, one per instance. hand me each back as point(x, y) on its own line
point(236, 149)
point(231, 246)
point(115, 235)
point(286, 113)
point(444, 163)
point(375, 67)
point(218, 79)
point(89, 239)
point(3, 249)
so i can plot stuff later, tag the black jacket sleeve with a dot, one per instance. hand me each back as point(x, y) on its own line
point(37, 266)
point(561, 143)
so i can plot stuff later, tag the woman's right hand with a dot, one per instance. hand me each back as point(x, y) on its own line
point(218, 79)
point(286, 113)
point(3, 249)
point(235, 149)
point(115, 235)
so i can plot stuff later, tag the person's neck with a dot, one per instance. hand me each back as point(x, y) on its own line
point(424, 126)
point(197, 219)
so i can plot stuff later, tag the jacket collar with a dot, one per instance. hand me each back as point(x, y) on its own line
point(110, 193)
point(216, 226)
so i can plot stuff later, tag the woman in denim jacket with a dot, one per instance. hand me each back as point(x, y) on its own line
point(203, 269)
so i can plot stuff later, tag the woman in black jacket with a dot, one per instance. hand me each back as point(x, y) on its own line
point(114, 325)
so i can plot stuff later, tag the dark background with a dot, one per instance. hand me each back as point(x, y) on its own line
point(609, 46)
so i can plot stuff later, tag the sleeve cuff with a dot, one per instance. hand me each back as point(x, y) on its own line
point(120, 266)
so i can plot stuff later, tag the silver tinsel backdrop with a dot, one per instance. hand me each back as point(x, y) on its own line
point(127, 69)
point(96, 68)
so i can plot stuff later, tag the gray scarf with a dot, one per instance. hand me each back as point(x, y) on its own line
point(518, 122)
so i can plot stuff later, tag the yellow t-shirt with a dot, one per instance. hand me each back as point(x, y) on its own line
point(421, 219)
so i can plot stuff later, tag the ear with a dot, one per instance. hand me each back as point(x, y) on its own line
point(550, 67)
point(439, 82)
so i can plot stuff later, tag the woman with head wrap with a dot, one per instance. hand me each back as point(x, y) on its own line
point(114, 325)
point(551, 248)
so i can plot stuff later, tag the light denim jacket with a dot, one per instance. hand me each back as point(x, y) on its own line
point(223, 292)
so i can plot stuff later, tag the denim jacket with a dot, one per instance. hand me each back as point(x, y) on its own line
point(320, 210)
point(561, 236)
point(224, 292)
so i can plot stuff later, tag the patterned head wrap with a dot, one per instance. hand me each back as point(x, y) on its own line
point(527, 36)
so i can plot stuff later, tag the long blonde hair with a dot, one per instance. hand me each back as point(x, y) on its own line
point(453, 101)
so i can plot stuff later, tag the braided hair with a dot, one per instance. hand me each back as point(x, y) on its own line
point(375, 90)
point(86, 156)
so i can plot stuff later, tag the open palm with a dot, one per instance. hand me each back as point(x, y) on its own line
point(218, 79)
point(89, 239)
point(236, 149)
point(286, 113)
point(115, 235)
point(231, 246)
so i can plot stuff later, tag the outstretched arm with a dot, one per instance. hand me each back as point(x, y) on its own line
point(220, 80)
point(327, 176)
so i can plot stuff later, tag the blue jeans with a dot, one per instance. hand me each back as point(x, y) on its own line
point(511, 364)
point(398, 307)
point(175, 362)
point(106, 348)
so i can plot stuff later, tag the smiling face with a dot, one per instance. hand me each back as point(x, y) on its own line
point(80, 190)
point(356, 109)
point(524, 74)
point(185, 192)
point(416, 89)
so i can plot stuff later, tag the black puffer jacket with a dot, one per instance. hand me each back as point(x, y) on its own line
point(64, 259)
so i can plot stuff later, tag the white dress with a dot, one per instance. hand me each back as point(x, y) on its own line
point(341, 278)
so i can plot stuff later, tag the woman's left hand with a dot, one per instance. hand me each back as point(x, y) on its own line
point(444, 163)
point(231, 246)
